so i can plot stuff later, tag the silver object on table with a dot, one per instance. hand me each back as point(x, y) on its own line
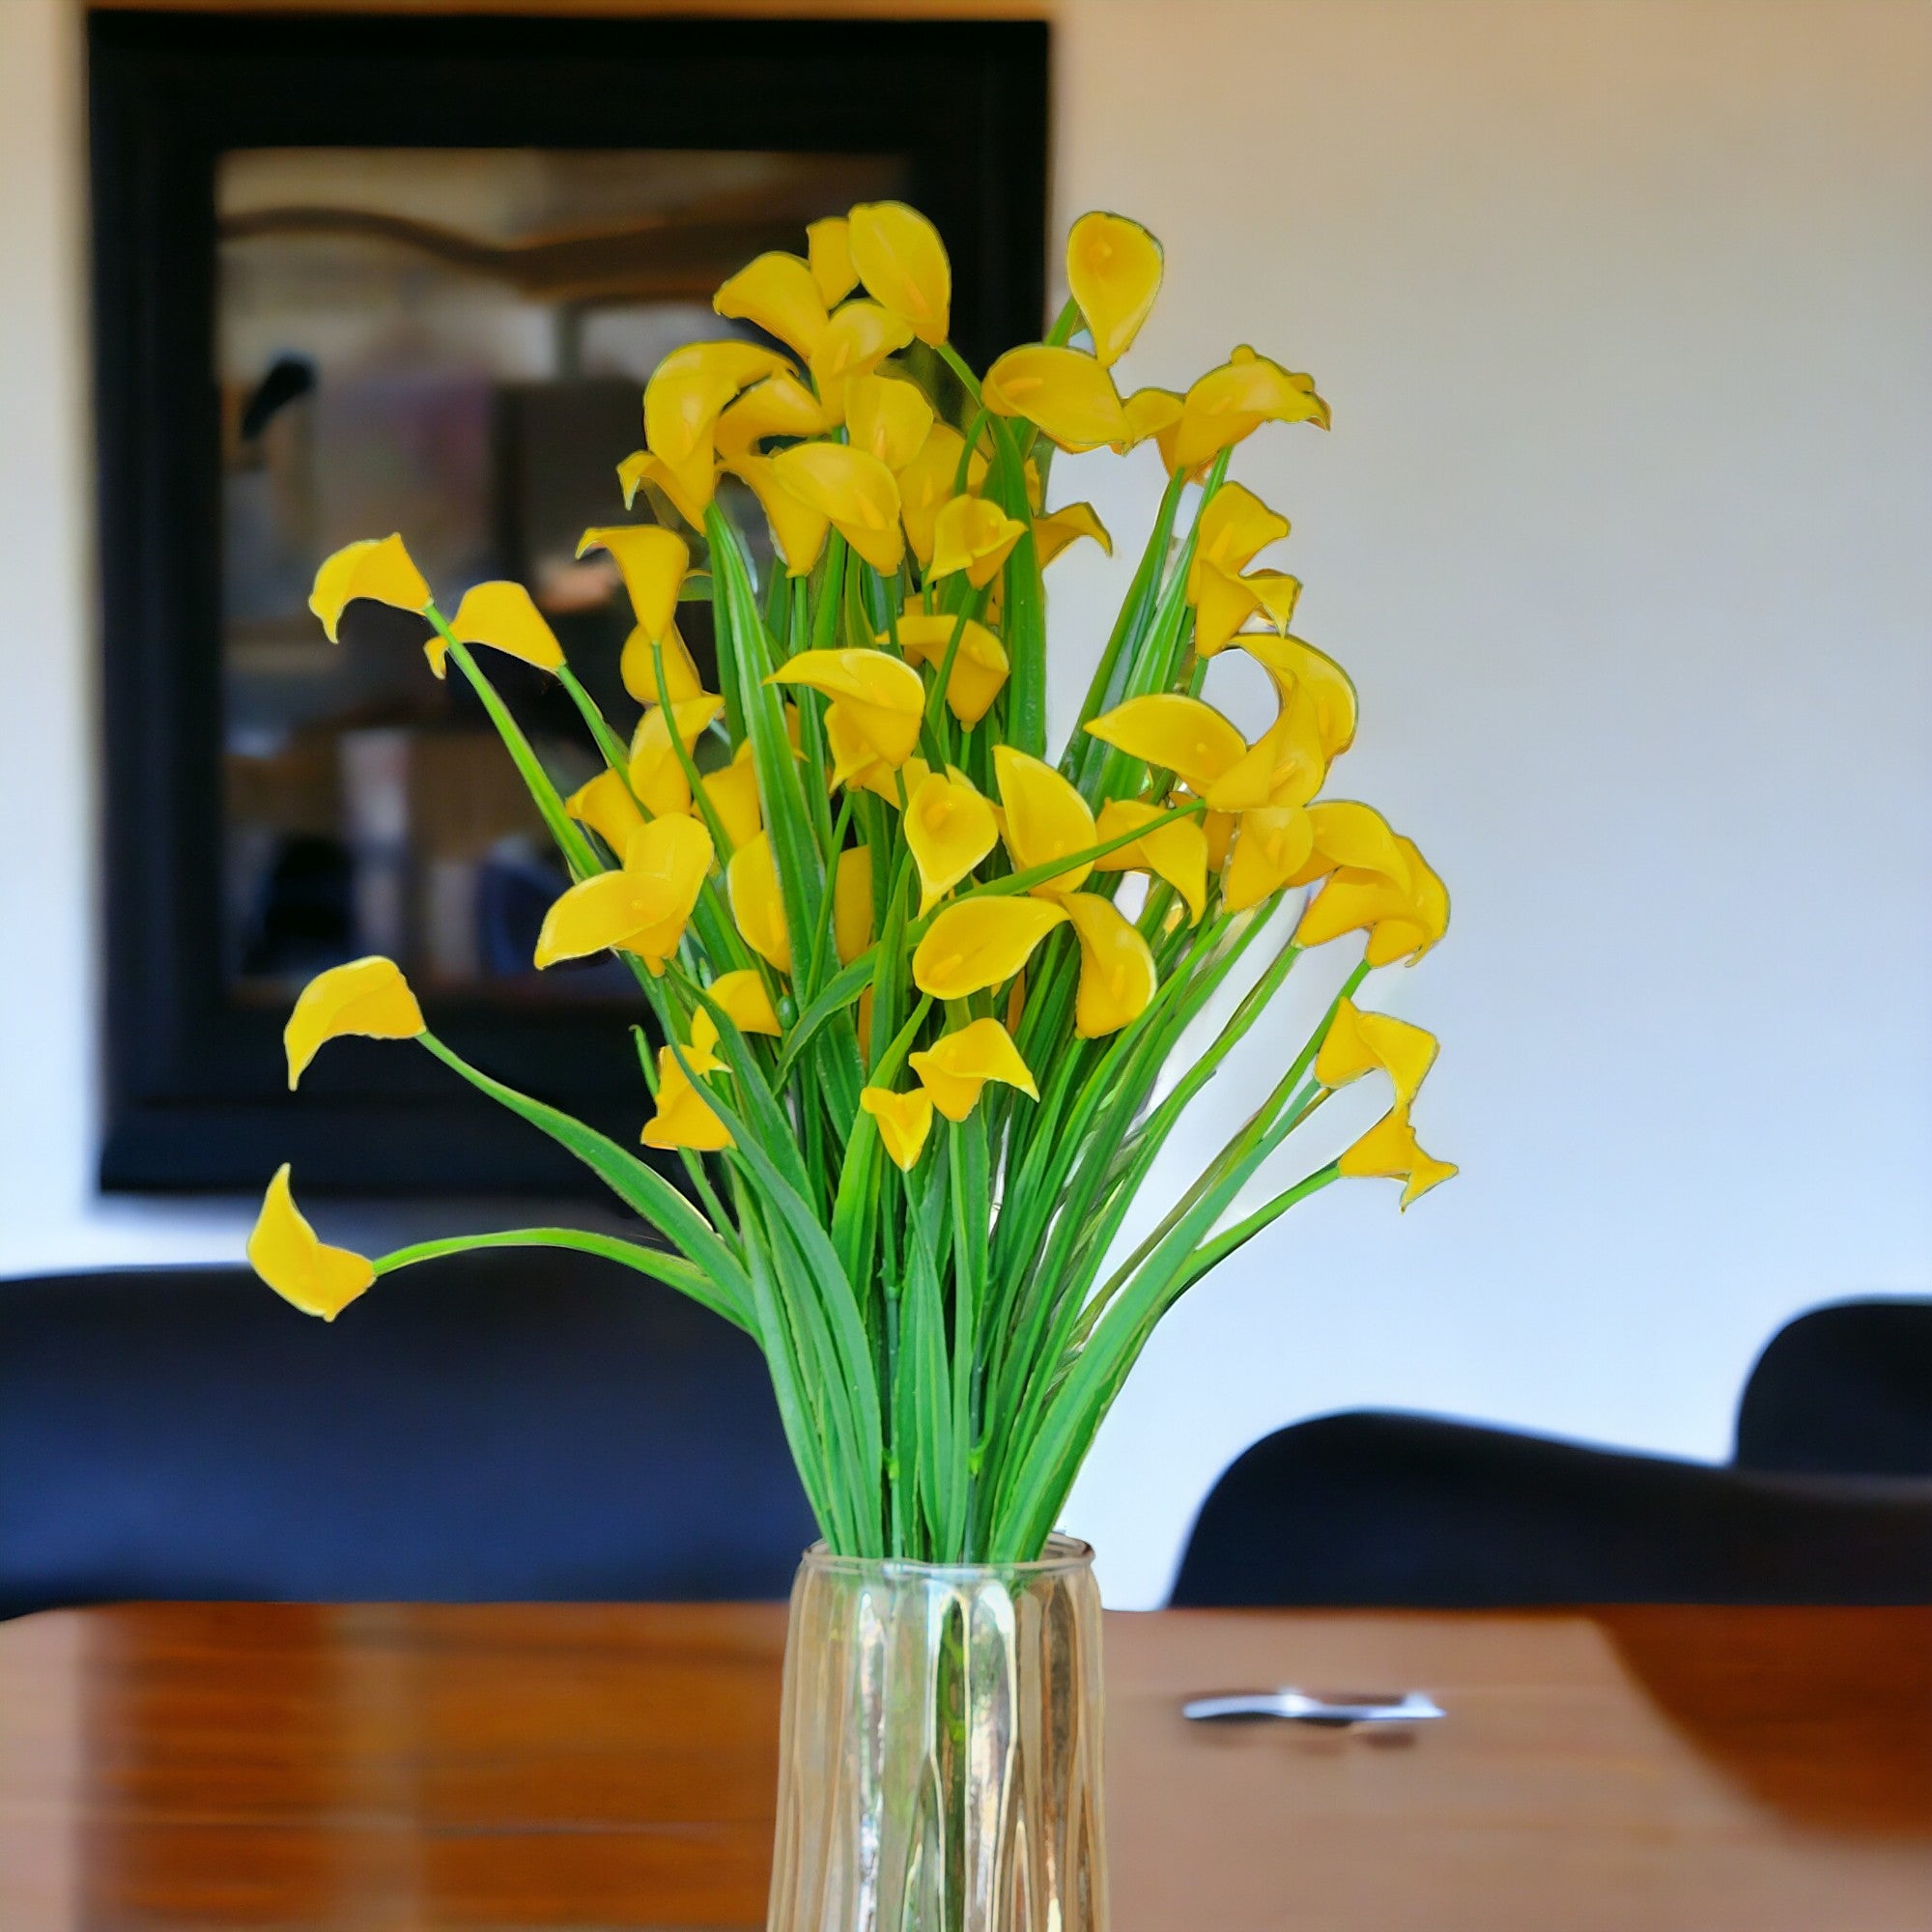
point(1298, 1708)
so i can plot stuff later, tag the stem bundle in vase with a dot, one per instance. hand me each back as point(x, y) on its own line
point(916, 976)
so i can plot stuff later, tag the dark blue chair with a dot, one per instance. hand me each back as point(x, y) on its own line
point(522, 1425)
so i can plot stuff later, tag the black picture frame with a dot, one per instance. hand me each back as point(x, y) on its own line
point(194, 1091)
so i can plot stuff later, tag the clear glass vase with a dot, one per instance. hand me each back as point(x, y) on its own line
point(940, 1753)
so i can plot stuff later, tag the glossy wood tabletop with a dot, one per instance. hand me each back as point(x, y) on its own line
point(399, 1767)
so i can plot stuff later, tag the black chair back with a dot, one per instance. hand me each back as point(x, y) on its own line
point(520, 1425)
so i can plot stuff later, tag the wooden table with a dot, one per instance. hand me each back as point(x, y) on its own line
point(399, 1767)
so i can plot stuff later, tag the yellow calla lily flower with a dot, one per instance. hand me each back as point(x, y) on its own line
point(306, 1272)
point(903, 265)
point(858, 338)
point(1045, 817)
point(852, 903)
point(1276, 594)
point(905, 1121)
point(1175, 733)
point(797, 528)
point(1112, 271)
point(1234, 528)
point(828, 246)
point(887, 417)
point(1117, 969)
point(656, 772)
point(1229, 404)
point(879, 697)
point(957, 1066)
point(977, 942)
point(643, 907)
point(778, 293)
point(366, 996)
point(1389, 1151)
point(638, 667)
point(1150, 412)
point(926, 485)
point(1359, 1042)
point(948, 829)
point(779, 405)
point(1064, 392)
point(1282, 766)
point(653, 562)
point(1057, 528)
point(733, 795)
point(685, 1118)
point(1177, 851)
point(758, 906)
point(605, 803)
point(1376, 882)
point(743, 995)
point(689, 488)
point(505, 618)
point(1272, 846)
point(688, 391)
point(979, 664)
point(852, 488)
point(1293, 665)
point(375, 567)
point(972, 534)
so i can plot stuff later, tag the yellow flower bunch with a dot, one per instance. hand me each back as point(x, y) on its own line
point(917, 977)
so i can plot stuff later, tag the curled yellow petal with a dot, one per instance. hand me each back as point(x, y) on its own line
point(779, 405)
point(778, 293)
point(1177, 851)
point(505, 618)
point(879, 697)
point(1175, 733)
point(1112, 271)
point(856, 339)
point(638, 667)
point(852, 903)
point(656, 772)
point(1229, 404)
point(688, 391)
point(1235, 527)
point(688, 487)
point(828, 246)
point(888, 417)
point(605, 803)
point(1065, 392)
point(642, 906)
point(1045, 817)
point(954, 1069)
point(977, 942)
point(903, 265)
point(948, 829)
point(758, 906)
point(979, 664)
point(732, 793)
point(1282, 766)
point(1293, 665)
point(1398, 900)
point(376, 567)
point(1389, 1151)
point(972, 534)
point(305, 1272)
point(797, 528)
point(852, 488)
point(926, 485)
point(1223, 602)
point(1117, 969)
point(743, 995)
point(905, 1121)
point(1057, 528)
point(653, 562)
point(1359, 1042)
point(366, 996)
point(1150, 412)
point(1270, 849)
point(1276, 594)
point(685, 1118)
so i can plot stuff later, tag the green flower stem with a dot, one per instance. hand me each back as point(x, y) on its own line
point(670, 1269)
point(961, 368)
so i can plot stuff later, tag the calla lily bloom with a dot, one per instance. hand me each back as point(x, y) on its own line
point(958, 1064)
point(1389, 1151)
point(1376, 882)
point(905, 1121)
point(972, 534)
point(1294, 665)
point(1045, 817)
point(642, 906)
point(654, 563)
point(1117, 969)
point(605, 803)
point(1282, 766)
point(903, 265)
point(689, 488)
point(758, 906)
point(1271, 849)
point(779, 405)
point(797, 528)
point(948, 829)
point(852, 903)
point(366, 996)
point(1150, 412)
point(857, 765)
point(1112, 271)
point(887, 417)
point(879, 697)
point(1175, 733)
point(977, 942)
point(1057, 528)
point(828, 246)
point(505, 618)
point(854, 490)
point(858, 338)
point(638, 667)
point(732, 793)
point(688, 391)
point(1064, 392)
point(685, 1118)
point(303, 1270)
point(656, 772)
point(1229, 404)
point(378, 568)
point(1359, 1042)
point(926, 485)
point(1177, 851)
point(979, 664)
point(1235, 527)
point(778, 293)
point(742, 994)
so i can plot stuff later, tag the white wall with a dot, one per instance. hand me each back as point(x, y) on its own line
point(1625, 311)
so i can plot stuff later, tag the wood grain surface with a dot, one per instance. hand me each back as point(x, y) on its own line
point(396, 1767)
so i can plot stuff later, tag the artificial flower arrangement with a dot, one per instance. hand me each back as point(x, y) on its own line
point(918, 975)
